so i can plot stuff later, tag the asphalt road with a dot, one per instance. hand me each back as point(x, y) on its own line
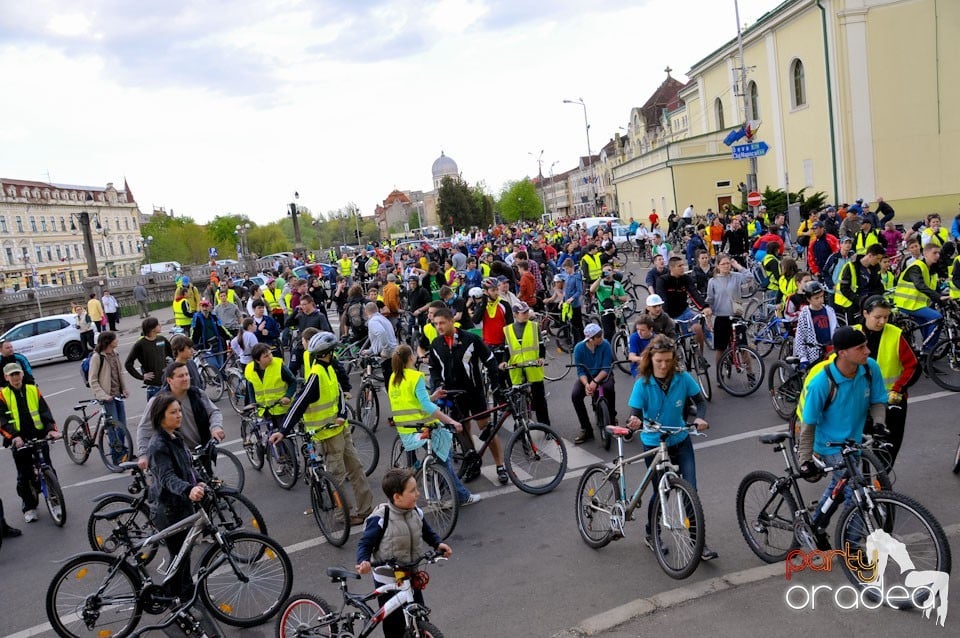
point(519, 565)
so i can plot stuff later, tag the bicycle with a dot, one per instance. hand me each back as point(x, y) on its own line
point(122, 521)
point(309, 615)
point(601, 409)
point(113, 440)
point(765, 335)
point(44, 481)
point(558, 343)
point(739, 363)
point(368, 403)
point(774, 522)
point(621, 336)
point(690, 356)
point(942, 363)
point(329, 504)
point(674, 514)
point(785, 383)
point(255, 433)
point(243, 580)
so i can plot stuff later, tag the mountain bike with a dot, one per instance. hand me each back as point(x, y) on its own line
point(255, 431)
point(775, 522)
point(242, 579)
point(214, 366)
point(308, 615)
point(44, 481)
point(740, 371)
point(621, 335)
point(602, 415)
point(690, 356)
point(112, 439)
point(674, 514)
point(942, 363)
point(785, 383)
point(368, 403)
point(764, 335)
point(122, 521)
point(329, 504)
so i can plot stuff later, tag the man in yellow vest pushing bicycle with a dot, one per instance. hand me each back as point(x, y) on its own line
point(526, 347)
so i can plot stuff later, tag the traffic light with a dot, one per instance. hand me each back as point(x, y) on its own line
point(358, 234)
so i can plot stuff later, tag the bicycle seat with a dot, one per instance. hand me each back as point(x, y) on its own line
point(338, 575)
point(618, 430)
point(792, 360)
point(129, 465)
point(772, 439)
point(83, 403)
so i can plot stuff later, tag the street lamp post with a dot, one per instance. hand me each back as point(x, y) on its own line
point(297, 241)
point(84, 218)
point(586, 126)
point(144, 243)
point(241, 233)
point(420, 215)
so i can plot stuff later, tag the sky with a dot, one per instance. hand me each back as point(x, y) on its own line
point(210, 107)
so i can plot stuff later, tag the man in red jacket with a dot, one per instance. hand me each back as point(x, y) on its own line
point(771, 236)
point(822, 245)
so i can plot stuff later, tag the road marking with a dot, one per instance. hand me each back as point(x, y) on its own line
point(53, 394)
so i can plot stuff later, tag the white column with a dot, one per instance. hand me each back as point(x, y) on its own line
point(772, 109)
point(854, 25)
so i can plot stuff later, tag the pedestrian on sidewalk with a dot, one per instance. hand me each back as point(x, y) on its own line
point(95, 312)
point(110, 308)
point(85, 325)
point(141, 296)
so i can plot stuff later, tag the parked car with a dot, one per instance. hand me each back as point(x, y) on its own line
point(227, 262)
point(46, 338)
point(301, 271)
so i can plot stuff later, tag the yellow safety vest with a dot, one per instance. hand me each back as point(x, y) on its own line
point(942, 236)
point(179, 318)
point(33, 405)
point(863, 243)
point(803, 392)
point(954, 291)
point(372, 266)
point(318, 419)
point(772, 284)
point(523, 351)
point(484, 269)
point(906, 296)
point(888, 357)
point(346, 267)
point(287, 298)
point(404, 403)
point(270, 388)
point(446, 276)
point(889, 281)
point(594, 268)
point(306, 360)
point(838, 297)
point(231, 295)
point(272, 299)
point(429, 332)
point(787, 286)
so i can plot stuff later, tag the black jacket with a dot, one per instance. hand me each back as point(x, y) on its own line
point(674, 292)
point(458, 368)
point(172, 468)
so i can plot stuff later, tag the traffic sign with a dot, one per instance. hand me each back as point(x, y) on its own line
point(754, 198)
point(745, 151)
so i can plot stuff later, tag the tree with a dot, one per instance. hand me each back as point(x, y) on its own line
point(222, 227)
point(457, 202)
point(519, 202)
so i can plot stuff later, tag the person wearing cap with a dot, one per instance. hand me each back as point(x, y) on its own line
point(890, 349)
point(493, 312)
point(830, 274)
point(25, 416)
point(391, 300)
point(822, 244)
point(662, 323)
point(867, 236)
point(8, 356)
point(609, 294)
point(206, 331)
point(525, 346)
point(831, 221)
point(850, 225)
point(837, 399)
point(915, 292)
point(182, 315)
point(189, 292)
point(594, 360)
point(859, 279)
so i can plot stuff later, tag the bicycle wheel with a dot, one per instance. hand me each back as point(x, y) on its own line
point(368, 406)
point(760, 338)
point(53, 496)
point(105, 534)
point(597, 494)
point(956, 461)
point(330, 508)
point(252, 445)
point(236, 387)
point(699, 371)
point(365, 443)
point(229, 469)
point(115, 445)
point(563, 358)
point(535, 458)
point(678, 529)
point(438, 498)
point(75, 439)
point(621, 350)
point(236, 511)
point(766, 517)
point(250, 578)
point(92, 596)
point(740, 377)
point(422, 629)
point(302, 615)
point(876, 468)
point(916, 536)
point(943, 365)
point(284, 464)
point(212, 382)
point(784, 384)
point(602, 413)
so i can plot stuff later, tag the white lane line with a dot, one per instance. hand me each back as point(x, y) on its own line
point(53, 394)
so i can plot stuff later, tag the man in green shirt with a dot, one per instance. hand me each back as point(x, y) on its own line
point(609, 294)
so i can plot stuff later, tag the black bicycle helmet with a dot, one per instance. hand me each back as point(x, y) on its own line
point(812, 288)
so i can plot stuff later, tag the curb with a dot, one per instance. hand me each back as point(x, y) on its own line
point(612, 618)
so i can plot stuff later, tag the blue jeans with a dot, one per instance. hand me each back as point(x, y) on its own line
point(924, 316)
point(682, 455)
point(152, 391)
point(116, 409)
point(832, 460)
point(462, 492)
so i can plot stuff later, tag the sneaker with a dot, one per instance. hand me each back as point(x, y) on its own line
point(9, 532)
point(30, 516)
point(502, 475)
point(472, 499)
point(648, 541)
point(583, 437)
point(708, 554)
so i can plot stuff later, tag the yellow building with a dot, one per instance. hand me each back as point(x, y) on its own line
point(854, 99)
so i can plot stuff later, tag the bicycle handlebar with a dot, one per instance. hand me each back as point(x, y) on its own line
point(429, 557)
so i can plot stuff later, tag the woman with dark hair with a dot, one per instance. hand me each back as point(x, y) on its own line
point(175, 488)
point(106, 377)
point(661, 393)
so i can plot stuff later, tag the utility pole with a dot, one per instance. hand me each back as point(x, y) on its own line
point(752, 175)
point(297, 241)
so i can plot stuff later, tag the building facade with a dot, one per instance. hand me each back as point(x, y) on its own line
point(41, 243)
point(853, 98)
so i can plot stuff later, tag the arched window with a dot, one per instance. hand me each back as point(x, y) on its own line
point(754, 103)
point(718, 112)
point(799, 84)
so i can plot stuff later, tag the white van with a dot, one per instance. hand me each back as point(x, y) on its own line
point(589, 223)
point(162, 266)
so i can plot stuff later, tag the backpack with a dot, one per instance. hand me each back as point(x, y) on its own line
point(355, 315)
point(833, 385)
point(760, 274)
point(85, 369)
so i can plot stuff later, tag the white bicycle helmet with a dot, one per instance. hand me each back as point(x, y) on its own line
point(558, 278)
point(322, 343)
point(476, 292)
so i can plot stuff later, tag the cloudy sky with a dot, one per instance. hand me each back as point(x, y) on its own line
point(229, 106)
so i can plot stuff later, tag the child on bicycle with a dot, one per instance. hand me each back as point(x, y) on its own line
point(396, 531)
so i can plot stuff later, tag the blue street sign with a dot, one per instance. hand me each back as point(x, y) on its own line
point(745, 151)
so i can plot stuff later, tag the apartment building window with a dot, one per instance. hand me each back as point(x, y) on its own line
point(754, 103)
point(718, 113)
point(9, 252)
point(39, 254)
point(59, 253)
point(19, 224)
point(33, 224)
point(3, 224)
point(799, 84)
point(63, 225)
point(43, 224)
point(49, 253)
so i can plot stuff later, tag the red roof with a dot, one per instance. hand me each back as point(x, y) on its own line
point(662, 98)
point(396, 196)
